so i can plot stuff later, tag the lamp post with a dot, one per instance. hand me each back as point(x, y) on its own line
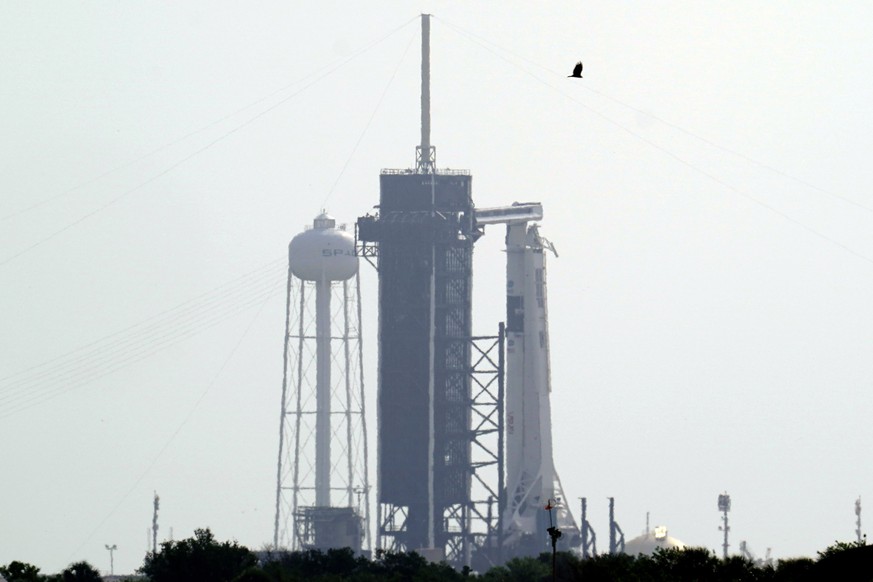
point(554, 535)
point(111, 549)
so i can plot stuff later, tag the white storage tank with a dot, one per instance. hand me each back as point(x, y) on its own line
point(646, 544)
point(324, 252)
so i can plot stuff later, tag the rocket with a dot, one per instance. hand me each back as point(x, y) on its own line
point(531, 478)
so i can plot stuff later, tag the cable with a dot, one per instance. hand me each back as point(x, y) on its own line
point(203, 128)
point(68, 379)
point(110, 357)
point(173, 314)
point(172, 167)
point(19, 402)
point(679, 128)
point(369, 121)
point(676, 157)
point(175, 433)
point(38, 383)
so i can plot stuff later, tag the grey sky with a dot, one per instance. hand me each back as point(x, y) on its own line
point(707, 187)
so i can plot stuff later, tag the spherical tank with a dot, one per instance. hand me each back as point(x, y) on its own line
point(646, 544)
point(323, 253)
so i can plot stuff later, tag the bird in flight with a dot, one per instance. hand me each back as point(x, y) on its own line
point(577, 71)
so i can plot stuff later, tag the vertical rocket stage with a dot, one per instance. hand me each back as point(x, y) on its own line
point(531, 478)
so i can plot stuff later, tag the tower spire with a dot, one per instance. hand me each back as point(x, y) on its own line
point(425, 154)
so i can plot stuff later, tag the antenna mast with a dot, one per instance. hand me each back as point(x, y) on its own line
point(425, 154)
point(724, 506)
point(155, 524)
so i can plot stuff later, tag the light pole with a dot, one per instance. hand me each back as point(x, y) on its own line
point(554, 535)
point(111, 549)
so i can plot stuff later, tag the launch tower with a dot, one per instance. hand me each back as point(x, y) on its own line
point(424, 237)
point(443, 432)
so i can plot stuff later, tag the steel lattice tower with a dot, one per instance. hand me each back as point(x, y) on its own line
point(322, 486)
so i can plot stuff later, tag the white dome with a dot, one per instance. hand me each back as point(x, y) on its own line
point(646, 544)
point(323, 253)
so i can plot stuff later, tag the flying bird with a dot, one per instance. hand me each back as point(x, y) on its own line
point(577, 71)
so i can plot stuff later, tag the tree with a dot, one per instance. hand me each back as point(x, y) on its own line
point(198, 558)
point(845, 561)
point(312, 564)
point(742, 568)
point(610, 567)
point(794, 570)
point(255, 575)
point(17, 571)
point(80, 572)
point(839, 547)
point(528, 568)
point(402, 566)
point(686, 564)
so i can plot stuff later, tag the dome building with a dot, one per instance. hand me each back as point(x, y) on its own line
point(646, 544)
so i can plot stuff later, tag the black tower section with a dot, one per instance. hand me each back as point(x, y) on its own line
point(423, 237)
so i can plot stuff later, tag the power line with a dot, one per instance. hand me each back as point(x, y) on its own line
point(200, 150)
point(677, 127)
point(669, 153)
point(194, 303)
point(65, 381)
point(369, 121)
point(111, 353)
point(176, 432)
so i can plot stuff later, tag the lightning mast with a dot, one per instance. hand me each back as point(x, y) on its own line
point(425, 154)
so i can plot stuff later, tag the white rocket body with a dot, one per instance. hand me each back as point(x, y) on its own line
point(531, 479)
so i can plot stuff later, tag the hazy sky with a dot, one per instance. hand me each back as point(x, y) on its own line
point(707, 185)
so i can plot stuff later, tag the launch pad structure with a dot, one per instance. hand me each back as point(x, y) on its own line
point(464, 462)
point(423, 237)
point(465, 469)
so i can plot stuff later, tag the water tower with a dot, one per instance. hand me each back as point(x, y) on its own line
point(322, 488)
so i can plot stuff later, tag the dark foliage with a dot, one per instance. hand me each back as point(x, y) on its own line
point(202, 558)
point(608, 567)
point(794, 570)
point(848, 562)
point(335, 564)
point(17, 571)
point(198, 558)
point(78, 572)
point(342, 564)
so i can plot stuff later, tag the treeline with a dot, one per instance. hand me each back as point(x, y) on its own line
point(16, 571)
point(202, 558)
